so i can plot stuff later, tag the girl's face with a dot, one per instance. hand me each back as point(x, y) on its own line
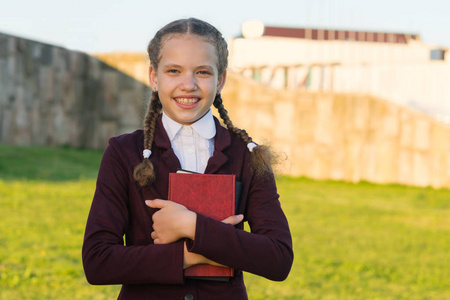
point(187, 78)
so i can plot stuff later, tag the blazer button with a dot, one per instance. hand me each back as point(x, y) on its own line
point(188, 297)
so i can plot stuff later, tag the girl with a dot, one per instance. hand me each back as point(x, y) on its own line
point(188, 70)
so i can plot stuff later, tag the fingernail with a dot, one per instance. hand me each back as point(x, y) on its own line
point(148, 202)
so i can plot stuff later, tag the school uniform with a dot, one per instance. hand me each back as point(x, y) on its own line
point(148, 271)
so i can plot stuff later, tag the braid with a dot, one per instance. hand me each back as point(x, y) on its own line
point(262, 156)
point(154, 111)
point(218, 103)
point(144, 172)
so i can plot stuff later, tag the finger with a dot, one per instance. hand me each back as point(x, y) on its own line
point(157, 203)
point(233, 220)
point(154, 235)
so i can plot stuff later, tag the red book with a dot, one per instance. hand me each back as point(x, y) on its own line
point(212, 195)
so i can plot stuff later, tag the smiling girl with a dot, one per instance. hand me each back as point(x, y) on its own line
point(162, 238)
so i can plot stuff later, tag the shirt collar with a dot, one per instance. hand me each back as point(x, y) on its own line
point(205, 126)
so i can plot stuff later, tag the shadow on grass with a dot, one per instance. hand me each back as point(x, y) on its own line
point(48, 163)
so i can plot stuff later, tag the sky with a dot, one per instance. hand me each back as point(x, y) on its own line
point(128, 25)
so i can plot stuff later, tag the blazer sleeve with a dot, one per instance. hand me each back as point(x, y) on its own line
point(106, 260)
point(265, 251)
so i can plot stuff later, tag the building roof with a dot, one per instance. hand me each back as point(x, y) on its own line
point(342, 35)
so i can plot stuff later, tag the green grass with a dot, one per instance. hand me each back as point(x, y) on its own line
point(40, 246)
point(363, 241)
point(351, 241)
point(47, 163)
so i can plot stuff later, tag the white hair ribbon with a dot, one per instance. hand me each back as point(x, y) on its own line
point(147, 153)
point(251, 145)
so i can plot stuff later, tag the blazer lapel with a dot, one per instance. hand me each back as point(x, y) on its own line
point(222, 141)
point(163, 144)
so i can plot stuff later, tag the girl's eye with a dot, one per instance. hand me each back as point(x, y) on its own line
point(204, 72)
point(172, 71)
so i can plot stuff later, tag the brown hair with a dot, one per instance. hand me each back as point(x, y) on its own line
point(262, 157)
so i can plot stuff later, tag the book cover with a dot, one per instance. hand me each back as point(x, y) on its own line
point(237, 187)
point(212, 195)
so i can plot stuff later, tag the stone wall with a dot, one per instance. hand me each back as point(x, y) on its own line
point(349, 137)
point(53, 96)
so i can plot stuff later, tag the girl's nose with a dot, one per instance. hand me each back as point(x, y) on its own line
point(188, 83)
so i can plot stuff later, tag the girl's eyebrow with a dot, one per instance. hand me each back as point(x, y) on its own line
point(206, 67)
point(175, 66)
point(172, 66)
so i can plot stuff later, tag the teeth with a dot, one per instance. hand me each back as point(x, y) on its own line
point(187, 100)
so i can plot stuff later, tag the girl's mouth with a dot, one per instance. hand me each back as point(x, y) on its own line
point(187, 101)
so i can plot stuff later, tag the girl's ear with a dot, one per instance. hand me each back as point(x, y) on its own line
point(152, 77)
point(221, 80)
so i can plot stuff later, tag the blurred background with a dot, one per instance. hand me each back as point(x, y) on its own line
point(355, 93)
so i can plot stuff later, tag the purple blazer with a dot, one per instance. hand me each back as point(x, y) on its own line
point(148, 271)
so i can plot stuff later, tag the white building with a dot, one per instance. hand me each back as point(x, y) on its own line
point(395, 66)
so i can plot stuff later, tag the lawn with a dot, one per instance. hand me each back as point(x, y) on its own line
point(351, 241)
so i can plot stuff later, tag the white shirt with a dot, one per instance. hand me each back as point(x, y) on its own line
point(193, 144)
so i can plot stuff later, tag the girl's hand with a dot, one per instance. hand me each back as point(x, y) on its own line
point(172, 222)
point(191, 258)
point(234, 220)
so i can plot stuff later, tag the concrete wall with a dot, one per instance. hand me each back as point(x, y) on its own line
point(348, 137)
point(53, 96)
point(134, 64)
